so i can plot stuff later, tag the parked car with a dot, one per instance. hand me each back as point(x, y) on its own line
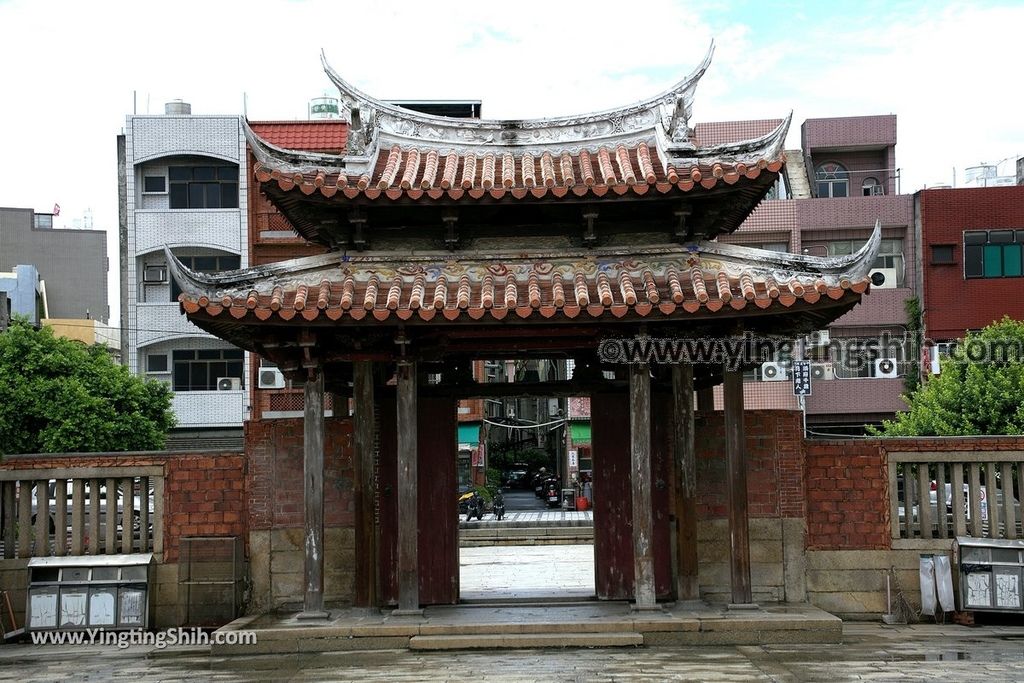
point(102, 491)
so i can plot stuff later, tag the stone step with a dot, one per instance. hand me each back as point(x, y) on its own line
point(525, 640)
point(485, 536)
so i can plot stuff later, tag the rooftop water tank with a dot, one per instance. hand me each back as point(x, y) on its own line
point(177, 108)
point(324, 108)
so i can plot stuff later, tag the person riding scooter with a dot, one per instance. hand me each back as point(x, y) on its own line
point(472, 504)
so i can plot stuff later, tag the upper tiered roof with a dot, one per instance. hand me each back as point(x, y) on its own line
point(392, 154)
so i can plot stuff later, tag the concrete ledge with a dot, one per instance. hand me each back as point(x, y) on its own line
point(470, 537)
point(564, 625)
point(496, 641)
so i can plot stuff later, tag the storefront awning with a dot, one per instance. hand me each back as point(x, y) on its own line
point(469, 434)
point(579, 432)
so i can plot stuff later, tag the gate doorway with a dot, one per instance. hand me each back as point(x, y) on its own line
point(522, 534)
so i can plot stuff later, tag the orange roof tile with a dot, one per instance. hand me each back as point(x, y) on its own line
point(308, 136)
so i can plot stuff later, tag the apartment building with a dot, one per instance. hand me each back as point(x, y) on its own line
point(837, 186)
point(71, 264)
point(972, 245)
point(183, 186)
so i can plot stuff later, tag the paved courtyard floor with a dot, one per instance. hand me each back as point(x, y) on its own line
point(535, 571)
point(870, 652)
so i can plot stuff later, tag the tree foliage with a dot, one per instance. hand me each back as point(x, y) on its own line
point(58, 395)
point(979, 390)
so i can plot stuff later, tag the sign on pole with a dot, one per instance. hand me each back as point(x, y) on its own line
point(801, 378)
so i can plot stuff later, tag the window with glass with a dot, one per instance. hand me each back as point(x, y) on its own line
point(199, 369)
point(203, 187)
point(156, 362)
point(206, 264)
point(871, 187)
point(943, 254)
point(993, 253)
point(890, 254)
point(154, 184)
point(832, 180)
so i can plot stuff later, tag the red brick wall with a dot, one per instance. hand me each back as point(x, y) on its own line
point(774, 464)
point(203, 492)
point(951, 302)
point(848, 485)
point(274, 492)
point(203, 496)
point(847, 495)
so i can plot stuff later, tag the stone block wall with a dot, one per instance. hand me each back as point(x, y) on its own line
point(274, 499)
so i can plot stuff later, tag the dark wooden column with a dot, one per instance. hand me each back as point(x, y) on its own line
point(736, 473)
point(706, 400)
point(313, 495)
point(366, 594)
point(640, 450)
point(685, 485)
point(408, 561)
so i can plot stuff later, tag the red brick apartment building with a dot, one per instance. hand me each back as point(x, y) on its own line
point(972, 271)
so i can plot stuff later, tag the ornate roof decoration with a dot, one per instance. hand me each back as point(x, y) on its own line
point(404, 153)
point(700, 278)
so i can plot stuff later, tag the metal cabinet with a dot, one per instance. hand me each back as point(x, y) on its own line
point(112, 592)
point(990, 573)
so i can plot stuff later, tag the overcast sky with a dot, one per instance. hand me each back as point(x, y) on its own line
point(68, 70)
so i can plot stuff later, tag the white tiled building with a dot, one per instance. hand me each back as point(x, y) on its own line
point(183, 185)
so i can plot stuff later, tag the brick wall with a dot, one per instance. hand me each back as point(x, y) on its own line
point(274, 492)
point(203, 492)
point(774, 464)
point(847, 495)
point(951, 302)
point(848, 485)
point(203, 496)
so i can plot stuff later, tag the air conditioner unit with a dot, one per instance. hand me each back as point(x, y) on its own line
point(883, 278)
point(819, 338)
point(154, 274)
point(229, 383)
point(822, 371)
point(886, 367)
point(271, 378)
point(774, 372)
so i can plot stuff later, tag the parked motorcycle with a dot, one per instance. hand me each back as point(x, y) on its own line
point(471, 504)
point(498, 506)
point(551, 493)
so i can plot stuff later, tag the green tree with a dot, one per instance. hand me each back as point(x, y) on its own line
point(980, 389)
point(59, 395)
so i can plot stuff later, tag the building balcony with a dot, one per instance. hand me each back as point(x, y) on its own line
point(200, 409)
point(222, 229)
point(159, 321)
point(861, 396)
